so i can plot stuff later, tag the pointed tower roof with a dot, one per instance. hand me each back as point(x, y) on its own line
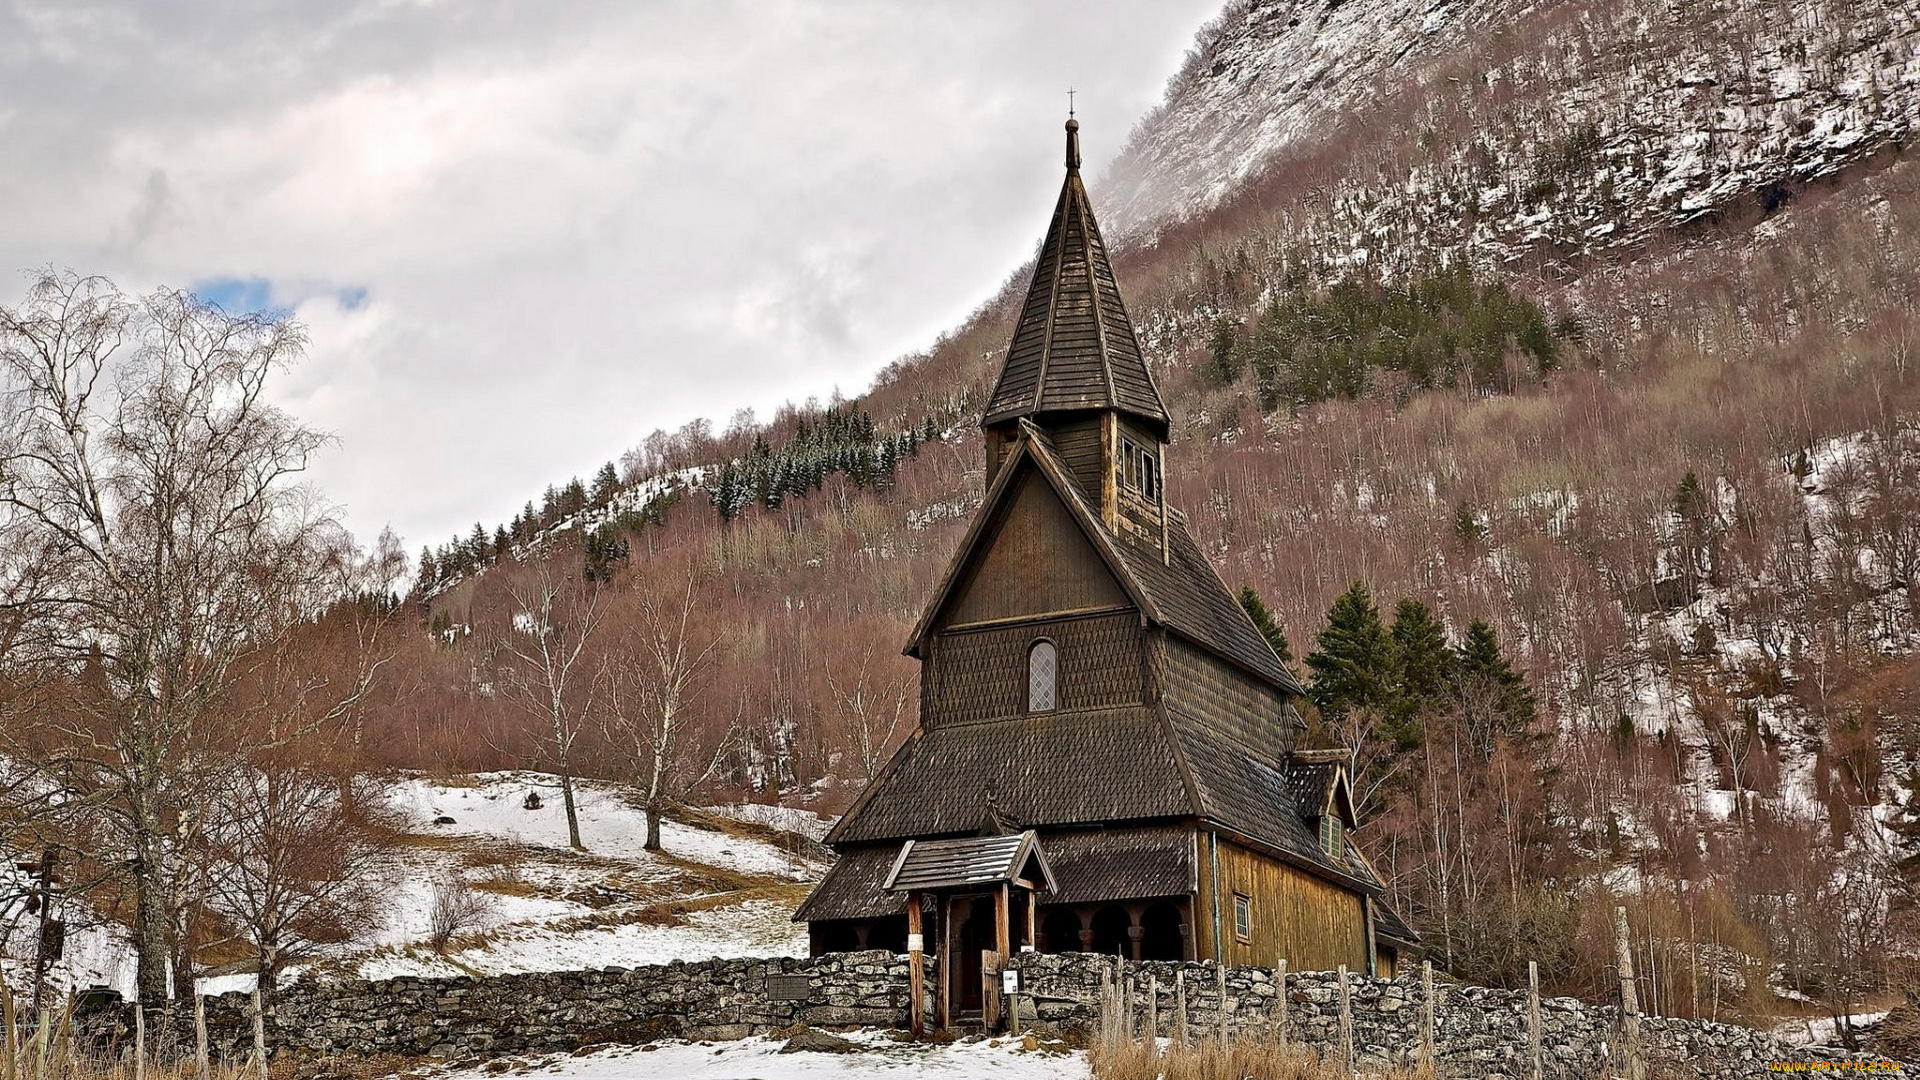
point(1074, 346)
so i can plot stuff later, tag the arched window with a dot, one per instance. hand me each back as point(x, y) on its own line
point(1043, 677)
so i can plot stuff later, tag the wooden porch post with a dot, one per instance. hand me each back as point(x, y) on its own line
point(916, 963)
point(994, 962)
point(945, 955)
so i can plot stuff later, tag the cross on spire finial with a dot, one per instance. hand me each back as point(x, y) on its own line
point(1070, 92)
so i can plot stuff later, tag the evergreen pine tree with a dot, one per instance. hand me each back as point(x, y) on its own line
point(1353, 668)
point(1466, 524)
point(605, 483)
point(1223, 369)
point(1494, 698)
point(1263, 619)
point(1425, 665)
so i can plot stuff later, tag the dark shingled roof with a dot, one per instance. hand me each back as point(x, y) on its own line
point(853, 889)
point(1254, 797)
point(1307, 782)
point(1089, 866)
point(1388, 924)
point(1074, 347)
point(970, 860)
point(1095, 865)
point(1123, 768)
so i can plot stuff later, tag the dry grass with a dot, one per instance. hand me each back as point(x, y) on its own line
point(1212, 1060)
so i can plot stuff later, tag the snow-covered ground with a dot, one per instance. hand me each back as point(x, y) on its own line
point(710, 892)
point(880, 1056)
point(492, 806)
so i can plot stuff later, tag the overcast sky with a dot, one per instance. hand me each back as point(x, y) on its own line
point(522, 235)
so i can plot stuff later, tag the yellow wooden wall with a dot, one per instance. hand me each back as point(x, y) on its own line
point(1312, 924)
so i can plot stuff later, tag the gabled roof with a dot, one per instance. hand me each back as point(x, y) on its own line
point(1318, 780)
point(1254, 797)
point(1181, 591)
point(1074, 346)
point(967, 861)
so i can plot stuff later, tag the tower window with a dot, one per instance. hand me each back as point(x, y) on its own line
point(1043, 677)
point(1140, 470)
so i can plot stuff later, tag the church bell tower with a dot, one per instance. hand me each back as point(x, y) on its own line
point(1075, 371)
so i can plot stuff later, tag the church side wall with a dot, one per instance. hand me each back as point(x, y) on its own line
point(1309, 923)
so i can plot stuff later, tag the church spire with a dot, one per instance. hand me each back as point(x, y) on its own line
point(1074, 350)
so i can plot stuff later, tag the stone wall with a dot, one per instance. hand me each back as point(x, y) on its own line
point(461, 1017)
point(1479, 1032)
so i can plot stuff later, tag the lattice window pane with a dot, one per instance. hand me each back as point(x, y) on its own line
point(1043, 677)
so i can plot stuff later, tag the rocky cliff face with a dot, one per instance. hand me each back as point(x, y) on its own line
point(1513, 129)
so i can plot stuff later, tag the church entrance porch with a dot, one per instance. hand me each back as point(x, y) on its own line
point(983, 891)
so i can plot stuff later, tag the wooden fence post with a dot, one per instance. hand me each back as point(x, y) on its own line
point(139, 1039)
point(1346, 1022)
point(1153, 1007)
point(1221, 971)
point(1426, 1013)
point(1629, 998)
point(1280, 1003)
point(1180, 1006)
point(1533, 1015)
point(1126, 1002)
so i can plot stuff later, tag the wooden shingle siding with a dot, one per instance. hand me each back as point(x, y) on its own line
point(980, 675)
point(1311, 924)
point(1035, 561)
point(1079, 445)
point(1247, 710)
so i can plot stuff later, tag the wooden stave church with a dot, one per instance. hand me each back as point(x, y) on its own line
point(1090, 686)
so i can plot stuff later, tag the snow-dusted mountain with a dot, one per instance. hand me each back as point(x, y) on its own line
point(1508, 127)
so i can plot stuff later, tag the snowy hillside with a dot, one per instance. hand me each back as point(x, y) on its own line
point(1559, 128)
point(726, 886)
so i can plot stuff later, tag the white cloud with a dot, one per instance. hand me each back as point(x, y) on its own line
point(573, 223)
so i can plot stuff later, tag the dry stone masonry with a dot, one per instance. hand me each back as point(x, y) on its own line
point(1479, 1032)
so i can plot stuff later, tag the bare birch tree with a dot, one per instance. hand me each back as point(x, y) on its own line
point(873, 707)
point(554, 621)
point(152, 534)
point(650, 683)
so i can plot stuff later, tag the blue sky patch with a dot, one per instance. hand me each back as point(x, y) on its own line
point(257, 295)
point(237, 296)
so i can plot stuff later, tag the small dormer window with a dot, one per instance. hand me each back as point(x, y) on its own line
point(1333, 834)
point(1140, 470)
point(1043, 677)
